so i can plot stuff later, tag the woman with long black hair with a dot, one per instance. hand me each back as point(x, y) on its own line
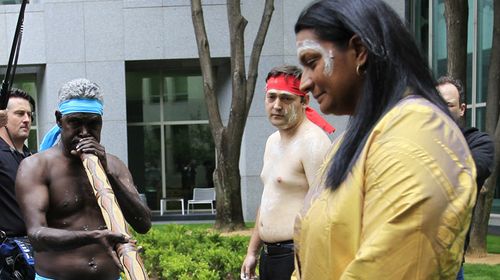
point(397, 190)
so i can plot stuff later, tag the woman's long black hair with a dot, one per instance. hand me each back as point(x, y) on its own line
point(394, 64)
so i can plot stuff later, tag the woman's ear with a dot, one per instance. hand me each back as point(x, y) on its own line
point(361, 52)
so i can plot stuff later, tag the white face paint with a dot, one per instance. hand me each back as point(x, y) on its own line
point(284, 114)
point(292, 115)
point(311, 45)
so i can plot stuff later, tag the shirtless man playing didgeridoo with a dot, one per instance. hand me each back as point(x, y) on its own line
point(64, 221)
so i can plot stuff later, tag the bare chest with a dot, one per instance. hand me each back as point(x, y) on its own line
point(71, 196)
point(283, 172)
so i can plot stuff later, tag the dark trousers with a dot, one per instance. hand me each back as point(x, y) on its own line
point(276, 261)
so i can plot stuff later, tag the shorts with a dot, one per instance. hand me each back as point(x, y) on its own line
point(38, 277)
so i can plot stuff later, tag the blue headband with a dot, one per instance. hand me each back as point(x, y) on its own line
point(92, 106)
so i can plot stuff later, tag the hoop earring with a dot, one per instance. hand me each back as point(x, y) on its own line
point(358, 72)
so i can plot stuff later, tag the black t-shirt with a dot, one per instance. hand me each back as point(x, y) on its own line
point(483, 151)
point(11, 220)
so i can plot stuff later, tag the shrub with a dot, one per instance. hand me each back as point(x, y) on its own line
point(186, 252)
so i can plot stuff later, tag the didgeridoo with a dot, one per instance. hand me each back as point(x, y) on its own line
point(113, 217)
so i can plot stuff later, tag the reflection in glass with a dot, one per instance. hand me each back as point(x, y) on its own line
point(485, 31)
point(171, 150)
point(144, 161)
point(470, 40)
point(183, 98)
point(468, 117)
point(481, 118)
point(189, 157)
point(9, 2)
point(143, 97)
point(419, 20)
point(440, 54)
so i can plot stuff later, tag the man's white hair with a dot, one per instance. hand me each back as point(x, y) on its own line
point(80, 88)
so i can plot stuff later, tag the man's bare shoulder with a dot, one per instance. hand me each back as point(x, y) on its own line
point(275, 137)
point(39, 160)
point(272, 140)
point(312, 133)
point(315, 144)
point(36, 168)
point(115, 164)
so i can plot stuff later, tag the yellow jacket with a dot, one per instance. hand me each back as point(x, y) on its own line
point(404, 209)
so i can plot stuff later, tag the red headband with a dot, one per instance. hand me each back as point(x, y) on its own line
point(292, 85)
point(285, 83)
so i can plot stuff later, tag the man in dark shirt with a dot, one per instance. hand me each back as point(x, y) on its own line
point(14, 130)
point(480, 143)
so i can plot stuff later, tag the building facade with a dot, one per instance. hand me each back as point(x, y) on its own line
point(143, 54)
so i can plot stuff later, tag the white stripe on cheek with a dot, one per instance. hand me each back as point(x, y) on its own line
point(315, 46)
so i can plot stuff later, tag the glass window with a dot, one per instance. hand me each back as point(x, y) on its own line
point(470, 40)
point(144, 154)
point(419, 22)
point(143, 97)
point(8, 2)
point(468, 117)
point(183, 98)
point(481, 118)
point(170, 146)
point(189, 156)
point(440, 54)
point(439, 48)
point(484, 42)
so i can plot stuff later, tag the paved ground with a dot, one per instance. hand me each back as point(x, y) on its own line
point(490, 259)
point(247, 232)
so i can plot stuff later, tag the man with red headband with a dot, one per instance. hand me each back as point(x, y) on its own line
point(292, 156)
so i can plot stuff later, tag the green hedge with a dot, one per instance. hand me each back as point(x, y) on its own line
point(197, 252)
point(493, 244)
point(186, 252)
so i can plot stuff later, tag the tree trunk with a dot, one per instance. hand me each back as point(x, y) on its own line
point(227, 140)
point(477, 245)
point(456, 13)
point(229, 215)
point(479, 231)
